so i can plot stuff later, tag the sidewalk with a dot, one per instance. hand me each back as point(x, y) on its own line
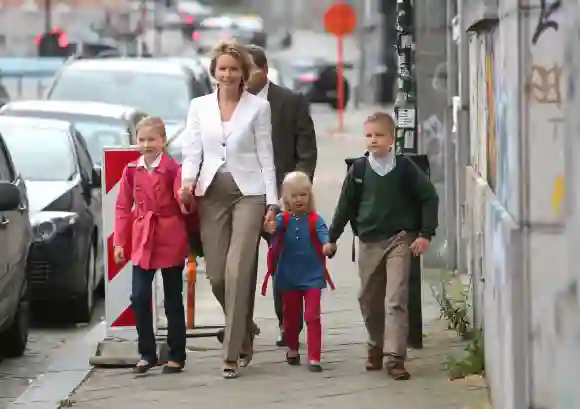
point(269, 382)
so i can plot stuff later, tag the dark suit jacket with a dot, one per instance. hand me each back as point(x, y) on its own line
point(293, 135)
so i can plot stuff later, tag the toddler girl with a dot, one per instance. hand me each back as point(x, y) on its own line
point(298, 265)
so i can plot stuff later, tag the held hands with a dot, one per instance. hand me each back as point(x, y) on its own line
point(329, 250)
point(186, 193)
point(119, 254)
point(270, 222)
point(419, 246)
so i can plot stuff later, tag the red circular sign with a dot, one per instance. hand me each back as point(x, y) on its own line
point(340, 19)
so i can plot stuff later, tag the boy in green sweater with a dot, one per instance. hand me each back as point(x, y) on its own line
point(395, 213)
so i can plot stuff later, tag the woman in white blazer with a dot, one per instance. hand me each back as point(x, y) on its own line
point(228, 163)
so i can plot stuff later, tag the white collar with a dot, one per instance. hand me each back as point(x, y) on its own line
point(264, 91)
point(154, 164)
point(382, 165)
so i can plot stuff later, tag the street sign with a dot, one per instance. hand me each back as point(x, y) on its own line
point(340, 19)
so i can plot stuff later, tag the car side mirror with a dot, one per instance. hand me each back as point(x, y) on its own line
point(9, 197)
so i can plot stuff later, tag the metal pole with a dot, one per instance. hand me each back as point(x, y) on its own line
point(450, 143)
point(47, 15)
point(406, 143)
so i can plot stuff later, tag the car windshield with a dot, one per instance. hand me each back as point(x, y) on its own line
point(40, 154)
point(98, 131)
point(161, 95)
point(99, 134)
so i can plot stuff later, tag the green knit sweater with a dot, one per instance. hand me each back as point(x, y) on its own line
point(403, 199)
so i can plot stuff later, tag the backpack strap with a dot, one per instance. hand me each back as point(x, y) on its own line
point(275, 250)
point(359, 168)
point(312, 222)
point(130, 174)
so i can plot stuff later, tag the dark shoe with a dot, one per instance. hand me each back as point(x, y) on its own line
point(293, 360)
point(143, 366)
point(173, 367)
point(397, 371)
point(281, 341)
point(374, 359)
point(316, 368)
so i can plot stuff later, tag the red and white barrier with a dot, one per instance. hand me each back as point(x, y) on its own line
point(118, 312)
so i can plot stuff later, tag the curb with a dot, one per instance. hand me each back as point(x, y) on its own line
point(68, 369)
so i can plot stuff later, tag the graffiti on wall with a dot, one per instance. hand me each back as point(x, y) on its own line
point(545, 21)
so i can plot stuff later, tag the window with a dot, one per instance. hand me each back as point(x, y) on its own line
point(6, 171)
point(40, 154)
point(85, 160)
point(163, 95)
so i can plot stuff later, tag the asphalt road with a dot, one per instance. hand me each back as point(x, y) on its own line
point(16, 374)
point(47, 335)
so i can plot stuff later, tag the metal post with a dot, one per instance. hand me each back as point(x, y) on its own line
point(47, 15)
point(406, 143)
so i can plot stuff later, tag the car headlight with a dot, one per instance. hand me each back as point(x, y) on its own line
point(46, 225)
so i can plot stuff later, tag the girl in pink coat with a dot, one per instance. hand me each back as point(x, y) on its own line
point(156, 230)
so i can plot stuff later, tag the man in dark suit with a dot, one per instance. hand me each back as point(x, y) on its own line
point(293, 135)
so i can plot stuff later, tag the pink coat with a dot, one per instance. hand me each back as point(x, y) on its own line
point(156, 228)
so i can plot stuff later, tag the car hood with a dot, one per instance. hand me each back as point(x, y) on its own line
point(41, 194)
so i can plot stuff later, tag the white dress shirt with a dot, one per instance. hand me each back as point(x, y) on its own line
point(141, 162)
point(247, 149)
point(264, 91)
point(382, 165)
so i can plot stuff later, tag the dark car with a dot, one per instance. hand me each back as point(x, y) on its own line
point(65, 211)
point(15, 238)
point(315, 78)
point(100, 124)
point(157, 86)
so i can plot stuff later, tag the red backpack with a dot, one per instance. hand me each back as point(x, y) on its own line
point(191, 219)
point(276, 249)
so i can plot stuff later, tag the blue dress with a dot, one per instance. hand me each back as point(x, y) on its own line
point(299, 266)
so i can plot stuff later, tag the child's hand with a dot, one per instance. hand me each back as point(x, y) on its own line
point(270, 226)
point(329, 249)
point(119, 255)
point(186, 194)
point(419, 246)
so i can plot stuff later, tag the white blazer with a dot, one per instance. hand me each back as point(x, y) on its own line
point(248, 147)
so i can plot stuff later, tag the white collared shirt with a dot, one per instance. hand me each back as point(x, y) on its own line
point(382, 165)
point(153, 165)
point(264, 91)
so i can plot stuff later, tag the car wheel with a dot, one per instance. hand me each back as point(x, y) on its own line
point(87, 300)
point(15, 338)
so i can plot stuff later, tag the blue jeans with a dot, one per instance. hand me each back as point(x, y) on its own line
point(141, 296)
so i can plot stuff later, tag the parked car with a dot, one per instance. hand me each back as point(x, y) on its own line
point(316, 78)
point(15, 239)
point(64, 192)
point(247, 29)
point(154, 85)
point(202, 81)
point(100, 124)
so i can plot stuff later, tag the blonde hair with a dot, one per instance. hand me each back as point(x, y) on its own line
point(294, 181)
point(382, 118)
point(237, 52)
point(154, 123)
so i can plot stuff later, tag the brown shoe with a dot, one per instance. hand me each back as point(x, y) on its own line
point(396, 370)
point(374, 359)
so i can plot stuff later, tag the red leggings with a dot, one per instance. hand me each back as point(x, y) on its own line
point(292, 305)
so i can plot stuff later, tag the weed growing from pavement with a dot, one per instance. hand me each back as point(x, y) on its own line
point(453, 299)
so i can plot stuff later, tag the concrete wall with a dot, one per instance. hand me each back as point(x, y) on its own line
point(517, 225)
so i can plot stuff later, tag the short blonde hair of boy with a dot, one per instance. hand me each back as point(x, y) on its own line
point(383, 118)
point(294, 181)
point(153, 123)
